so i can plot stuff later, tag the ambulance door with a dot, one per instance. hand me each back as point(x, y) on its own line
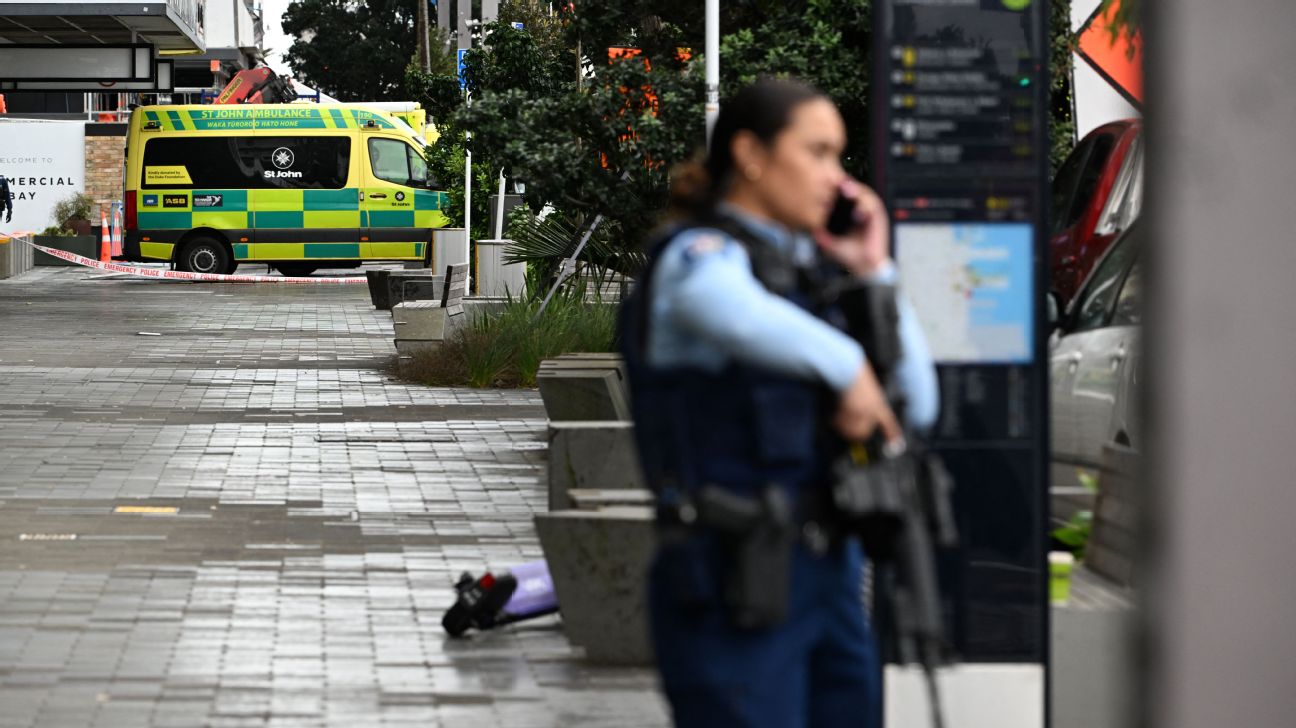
point(395, 174)
point(305, 210)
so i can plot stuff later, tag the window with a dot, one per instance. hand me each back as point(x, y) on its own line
point(1088, 184)
point(211, 162)
point(1129, 305)
point(1127, 193)
point(1075, 183)
point(418, 168)
point(313, 163)
point(1096, 298)
point(397, 162)
point(1064, 183)
point(251, 162)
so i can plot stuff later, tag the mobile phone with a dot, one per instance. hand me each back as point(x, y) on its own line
point(842, 218)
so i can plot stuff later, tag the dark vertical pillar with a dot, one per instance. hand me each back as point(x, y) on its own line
point(960, 155)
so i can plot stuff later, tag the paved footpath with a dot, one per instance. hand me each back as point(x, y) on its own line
point(244, 521)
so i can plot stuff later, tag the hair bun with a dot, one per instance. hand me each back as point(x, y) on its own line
point(690, 189)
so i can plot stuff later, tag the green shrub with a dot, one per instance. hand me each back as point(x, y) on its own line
point(505, 349)
point(1074, 534)
point(77, 206)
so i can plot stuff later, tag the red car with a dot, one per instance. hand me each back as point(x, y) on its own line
point(1097, 194)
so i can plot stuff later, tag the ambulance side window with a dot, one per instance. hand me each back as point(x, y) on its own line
point(389, 161)
point(206, 162)
point(284, 162)
point(395, 161)
point(418, 167)
point(244, 162)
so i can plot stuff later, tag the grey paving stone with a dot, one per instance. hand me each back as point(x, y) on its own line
point(321, 512)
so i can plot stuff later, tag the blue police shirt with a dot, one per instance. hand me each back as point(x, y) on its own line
point(708, 309)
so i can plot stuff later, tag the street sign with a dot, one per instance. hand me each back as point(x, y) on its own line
point(960, 153)
point(1115, 55)
point(462, 52)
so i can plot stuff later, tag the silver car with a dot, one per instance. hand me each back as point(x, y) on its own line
point(1094, 373)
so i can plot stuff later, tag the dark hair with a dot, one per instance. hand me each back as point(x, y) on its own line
point(764, 108)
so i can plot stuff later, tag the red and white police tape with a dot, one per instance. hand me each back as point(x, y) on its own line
point(180, 275)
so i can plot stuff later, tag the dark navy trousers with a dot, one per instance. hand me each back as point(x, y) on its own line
point(818, 669)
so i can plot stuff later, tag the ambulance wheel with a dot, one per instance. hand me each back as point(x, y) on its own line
point(203, 255)
point(233, 266)
point(296, 269)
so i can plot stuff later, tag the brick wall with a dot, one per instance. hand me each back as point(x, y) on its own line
point(104, 157)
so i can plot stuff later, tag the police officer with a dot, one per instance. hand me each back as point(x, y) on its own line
point(745, 387)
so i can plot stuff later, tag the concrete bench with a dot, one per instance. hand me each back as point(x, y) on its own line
point(585, 360)
point(591, 455)
point(421, 325)
point(594, 499)
point(1093, 655)
point(1113, 541)
point(414, 285)
point(377, 280)
point(584, 387)
point(1094, 633)
point(599, 563)
point(386, 285)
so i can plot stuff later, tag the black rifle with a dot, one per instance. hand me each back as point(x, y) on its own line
point(897, 499)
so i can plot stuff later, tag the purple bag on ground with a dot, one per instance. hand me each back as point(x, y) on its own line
point(534, 595)
point(522, 593)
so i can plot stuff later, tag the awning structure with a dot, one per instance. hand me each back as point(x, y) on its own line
point(96, 45)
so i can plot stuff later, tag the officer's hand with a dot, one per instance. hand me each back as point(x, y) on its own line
point(864, 409)
point(867, 247)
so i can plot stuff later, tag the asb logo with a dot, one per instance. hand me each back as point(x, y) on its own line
point(282, 158)
point(175, 200)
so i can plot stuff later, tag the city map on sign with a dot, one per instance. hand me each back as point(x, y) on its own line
point(976, 303)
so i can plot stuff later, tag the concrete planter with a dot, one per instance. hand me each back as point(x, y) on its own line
point(599, 562)
point(377, 280)
point(15, 257)
point(87, 245)
point(583, 455)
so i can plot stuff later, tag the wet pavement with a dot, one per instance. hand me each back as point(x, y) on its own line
point(216, 509)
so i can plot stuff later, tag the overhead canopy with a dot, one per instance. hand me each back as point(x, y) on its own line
point(170, 26)
point(162, 81)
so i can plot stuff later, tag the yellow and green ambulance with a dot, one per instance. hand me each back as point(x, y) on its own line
point(298, 186)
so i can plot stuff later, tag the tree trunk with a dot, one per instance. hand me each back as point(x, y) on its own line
point(424, 41)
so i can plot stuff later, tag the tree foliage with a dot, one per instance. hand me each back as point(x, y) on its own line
point(1062, 129)
point(354, 50)
point(1128, 19)
point(604, 149)
point(595, 142)
point(825, 43)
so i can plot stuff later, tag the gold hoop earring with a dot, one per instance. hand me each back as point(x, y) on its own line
point(752, 173)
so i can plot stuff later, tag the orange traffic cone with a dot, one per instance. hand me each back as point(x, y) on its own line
point(116, 232)
point(105, 243)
